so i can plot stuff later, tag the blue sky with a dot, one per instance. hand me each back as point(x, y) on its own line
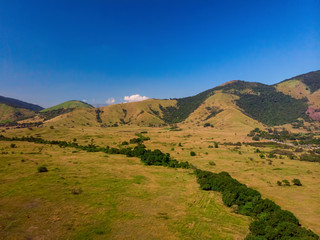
point(54, 51)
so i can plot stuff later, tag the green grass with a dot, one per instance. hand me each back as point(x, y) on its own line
point(68, 104)
point(120, 198)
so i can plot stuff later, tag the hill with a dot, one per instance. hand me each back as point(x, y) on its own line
point(15, 103)
point(9, 114)
point(307, 87)
point(68, 105)
point(12, 110)
point(235, 104)
point(63, 108)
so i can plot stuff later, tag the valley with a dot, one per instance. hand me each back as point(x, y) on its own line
point(238, 128)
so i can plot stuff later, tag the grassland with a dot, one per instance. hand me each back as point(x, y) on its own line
point(95, 196)
point(122, 199)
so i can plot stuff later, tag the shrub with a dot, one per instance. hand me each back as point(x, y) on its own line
point(255, 138)
point(124, 143)
point(192, 153)
point(42, 169)
point(216, 144)
point(286, 182)
point(76, 191)
point(212, 163)
point(12, 145)
point(279, 183)
point(296, 182)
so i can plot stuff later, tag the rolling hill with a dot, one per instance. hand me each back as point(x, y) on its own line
point(235, 104)
point(12, 110)
point(20, 104)
point(68, 105)
point(63, 108)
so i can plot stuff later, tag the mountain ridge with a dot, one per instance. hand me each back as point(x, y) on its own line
point(251, 103)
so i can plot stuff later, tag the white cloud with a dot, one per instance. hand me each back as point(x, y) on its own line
point(135, 98)
point(84, 100)
point(110, 101)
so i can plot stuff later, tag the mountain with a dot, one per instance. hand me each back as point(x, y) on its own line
point(236, 105)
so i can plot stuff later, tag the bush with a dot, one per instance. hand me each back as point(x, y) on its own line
point(255, 138)
point(12, 145)
point(42, 169)
point(279, 183)
point(76, 191)
point(296, 182)
point(124, 143)
point(192, 153)
point(212, 163)
point(285, 182)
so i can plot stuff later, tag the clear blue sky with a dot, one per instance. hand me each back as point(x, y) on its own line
point(53, 51)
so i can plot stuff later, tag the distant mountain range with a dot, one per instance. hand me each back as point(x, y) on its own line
point(233, 104)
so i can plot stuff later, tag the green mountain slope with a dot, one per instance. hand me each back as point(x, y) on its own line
point(10, 114)
point(15, 103)
point(311, 80)
point(265, 104)
point(63, 108)
point(68, 105)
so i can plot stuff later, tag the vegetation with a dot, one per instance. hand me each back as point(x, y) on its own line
point(311, 79)
point(69, 104)
point(46, 115)
point(192, 153)
point(270, 221)
point(185, 106)
point(42, 169)
point(296, 182)
point(266, 104)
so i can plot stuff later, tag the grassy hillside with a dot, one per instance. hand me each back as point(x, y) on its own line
point(265, 104)
point(63, 108)
point(222, 112)
point(68, 105)
point(304, 86)
point(311, 80)
point(19, 104)
point(12, 114)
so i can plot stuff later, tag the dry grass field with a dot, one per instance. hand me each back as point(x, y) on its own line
point(123, 199)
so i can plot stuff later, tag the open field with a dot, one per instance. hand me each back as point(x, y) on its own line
point(95, 196)
point(123, 199)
